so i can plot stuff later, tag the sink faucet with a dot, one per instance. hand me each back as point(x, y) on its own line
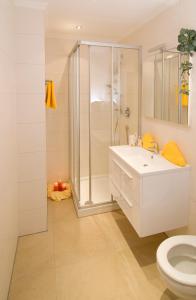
point(154, 149)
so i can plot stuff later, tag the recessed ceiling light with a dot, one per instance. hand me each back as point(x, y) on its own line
point(78, 27)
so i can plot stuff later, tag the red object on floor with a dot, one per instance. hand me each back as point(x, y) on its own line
point(63, 186)
point(56, 187)
point(59, 186)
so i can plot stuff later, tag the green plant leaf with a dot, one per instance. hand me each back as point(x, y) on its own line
point(181, 38)
point(181, 48)
point(183, 31)
point(192, 33)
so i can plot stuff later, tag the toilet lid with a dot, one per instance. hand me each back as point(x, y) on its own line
point(163, 262)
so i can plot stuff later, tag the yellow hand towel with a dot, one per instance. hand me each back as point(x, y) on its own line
point(50, 95)
point(148, 141)
point(172, 153)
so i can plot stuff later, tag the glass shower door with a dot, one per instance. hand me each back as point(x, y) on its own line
point(125, 83)
point(104, 81)
point(116, 95)
point(84, 125)
point(100, 121)
point(74, 122)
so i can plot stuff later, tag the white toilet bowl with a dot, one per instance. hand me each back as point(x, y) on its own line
point(176, 261)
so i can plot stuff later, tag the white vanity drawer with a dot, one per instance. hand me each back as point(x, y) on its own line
point(115, 173)
point(127, 188)
point(126, 182)
point(114, 191)
point(131, 212)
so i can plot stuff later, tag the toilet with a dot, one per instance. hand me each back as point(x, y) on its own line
point(176, 262)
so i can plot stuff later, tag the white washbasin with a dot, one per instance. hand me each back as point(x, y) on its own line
point(152, 192)
point(144, 161)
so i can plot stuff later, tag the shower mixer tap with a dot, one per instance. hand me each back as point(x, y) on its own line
point(125, 112)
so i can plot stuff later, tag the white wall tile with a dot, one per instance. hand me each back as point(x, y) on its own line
point(30, 78)
point(7, 117)
point(57, 122)
point(6, 28)
point(30, 89)
point(7, 74)
point(8, 174)
point(57, 140)
point(57, 166)
point(31, 166)
point(33, 221)
point(31, 137)
point(30, 108)
point(32, 195)
point(29, 49)
point(29, 21)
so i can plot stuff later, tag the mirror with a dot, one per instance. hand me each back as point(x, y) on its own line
point(162, 87)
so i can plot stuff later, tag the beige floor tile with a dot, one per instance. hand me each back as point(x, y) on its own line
point(40, 285)
point(119, 231)
point(78, 240)
point(34, 253)
point(64, 211)
point(161, 292)
point(94, 278)
point(93, 258)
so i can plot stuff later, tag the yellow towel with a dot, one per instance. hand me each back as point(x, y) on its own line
point(50, 95)
point(172, 153)
point(148, 141)
point(185, 98)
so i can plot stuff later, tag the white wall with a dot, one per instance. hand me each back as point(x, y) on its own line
point(165, 29)
point(30, 94)
point(57, 51)
point(8, 166)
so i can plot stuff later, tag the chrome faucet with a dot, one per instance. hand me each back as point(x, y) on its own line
point(125, 111)
point(154, 149)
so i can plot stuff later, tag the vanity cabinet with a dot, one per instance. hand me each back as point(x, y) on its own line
point(154, 201)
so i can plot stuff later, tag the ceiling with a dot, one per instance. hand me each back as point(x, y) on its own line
point(101, 19)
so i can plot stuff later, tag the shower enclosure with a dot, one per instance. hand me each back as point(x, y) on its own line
point(104, 102)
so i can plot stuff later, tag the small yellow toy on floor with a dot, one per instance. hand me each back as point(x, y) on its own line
point(59, 195)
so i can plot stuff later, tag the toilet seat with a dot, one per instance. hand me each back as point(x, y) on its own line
point(164, 264)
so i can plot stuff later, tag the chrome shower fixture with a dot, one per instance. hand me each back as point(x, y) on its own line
point(125, 112)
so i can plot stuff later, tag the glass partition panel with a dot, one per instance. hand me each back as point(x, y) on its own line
point(71, 81)
point(129, 93)
point(116, 95)
point(84, 125)
point(100, 121)
point(76, 111)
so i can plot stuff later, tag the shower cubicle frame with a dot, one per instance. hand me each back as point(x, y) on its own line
point(112, 205)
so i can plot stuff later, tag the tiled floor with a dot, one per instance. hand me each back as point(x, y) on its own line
point(93, 258)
